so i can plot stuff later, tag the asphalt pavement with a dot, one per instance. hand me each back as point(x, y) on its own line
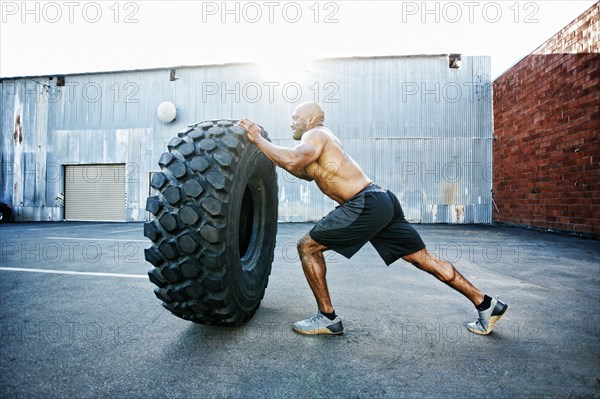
point(79, 319)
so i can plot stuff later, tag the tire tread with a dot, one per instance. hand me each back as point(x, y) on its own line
point(188, 251)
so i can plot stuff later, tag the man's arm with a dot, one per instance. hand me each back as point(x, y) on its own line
point(293, 160)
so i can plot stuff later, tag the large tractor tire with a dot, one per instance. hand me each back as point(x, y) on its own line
point(215, 224)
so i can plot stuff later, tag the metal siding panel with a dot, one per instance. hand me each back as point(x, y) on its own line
point(29, 179)
point(399, 169)
point(72, 151)
point(38, 152)
point(108, 147)
point(7, 121)
point(17, 148)
point(121, 140)
point(87, 152)
point(131, 176)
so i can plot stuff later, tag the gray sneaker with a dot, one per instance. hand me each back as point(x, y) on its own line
point(487, 318)
point(319, 324)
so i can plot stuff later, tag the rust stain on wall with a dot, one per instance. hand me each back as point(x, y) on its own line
point(18, 134)
point(460, 213)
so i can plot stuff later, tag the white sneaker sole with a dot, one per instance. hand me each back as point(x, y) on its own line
point(319, 331)
point(493, 321)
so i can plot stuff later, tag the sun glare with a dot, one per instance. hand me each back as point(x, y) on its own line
point(284, 69)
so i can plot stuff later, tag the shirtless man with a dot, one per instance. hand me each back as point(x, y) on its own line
point(366, 213)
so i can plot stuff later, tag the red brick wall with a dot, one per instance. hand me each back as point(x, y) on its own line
point(547, 129)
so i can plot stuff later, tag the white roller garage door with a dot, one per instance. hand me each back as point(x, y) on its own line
point(95, 192)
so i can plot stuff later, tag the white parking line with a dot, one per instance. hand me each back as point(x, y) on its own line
point(124, 231)
point(94, 239)
point(23, 269)
point(63, 227)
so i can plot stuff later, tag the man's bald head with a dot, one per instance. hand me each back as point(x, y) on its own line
point(311, 109)
point(306, 116)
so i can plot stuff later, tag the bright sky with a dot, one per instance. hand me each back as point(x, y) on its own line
point(61, 37)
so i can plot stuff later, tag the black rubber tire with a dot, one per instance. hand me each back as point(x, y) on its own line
point(5, 213)
point(216, 224)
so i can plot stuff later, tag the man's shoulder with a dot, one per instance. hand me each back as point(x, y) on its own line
point(318, 133)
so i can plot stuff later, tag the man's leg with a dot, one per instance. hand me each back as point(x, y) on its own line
point(313, 264)
point(490, 310)
point(315, 270)
point(446, 273)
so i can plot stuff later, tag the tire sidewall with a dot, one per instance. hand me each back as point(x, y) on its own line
point(248, 277)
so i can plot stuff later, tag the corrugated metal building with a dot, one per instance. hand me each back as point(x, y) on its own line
point(83, 146)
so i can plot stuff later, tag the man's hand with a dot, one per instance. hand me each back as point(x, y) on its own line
point(252, 130)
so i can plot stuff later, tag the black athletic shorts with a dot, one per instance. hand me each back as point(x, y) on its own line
point(374, 215)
